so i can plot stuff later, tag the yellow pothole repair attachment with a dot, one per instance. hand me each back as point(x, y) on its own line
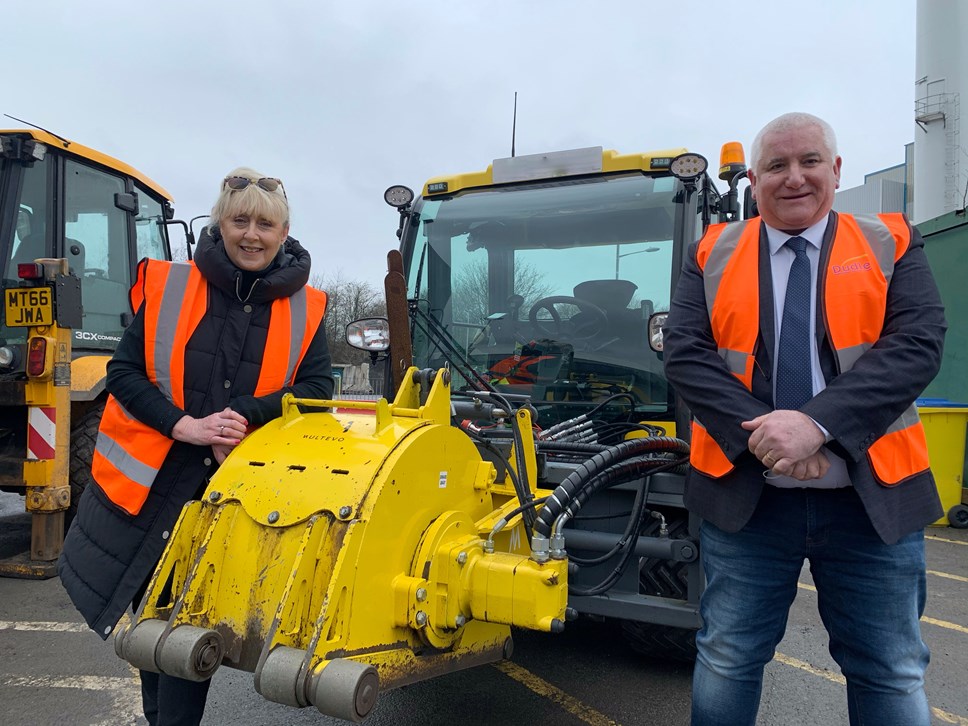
point(339, 553)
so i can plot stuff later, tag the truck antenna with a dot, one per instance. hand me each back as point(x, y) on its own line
point(56, 136)
point(514, 122)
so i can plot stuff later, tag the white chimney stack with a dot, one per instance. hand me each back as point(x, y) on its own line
point(940, 92)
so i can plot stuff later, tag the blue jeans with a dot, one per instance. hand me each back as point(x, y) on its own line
point(870, 596)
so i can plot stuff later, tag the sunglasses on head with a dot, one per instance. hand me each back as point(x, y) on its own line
point(270, 184)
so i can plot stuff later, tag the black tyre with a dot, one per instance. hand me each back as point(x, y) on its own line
point(958, 516)
point(664, 579)
point(83, 439)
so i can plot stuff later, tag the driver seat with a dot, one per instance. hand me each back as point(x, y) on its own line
point(613, 296)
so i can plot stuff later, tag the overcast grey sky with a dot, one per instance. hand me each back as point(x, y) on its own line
point(343, 99)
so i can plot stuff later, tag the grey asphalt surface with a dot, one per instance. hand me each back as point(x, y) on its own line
point(64, 674)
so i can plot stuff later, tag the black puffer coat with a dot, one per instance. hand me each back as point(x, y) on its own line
point(108, 554)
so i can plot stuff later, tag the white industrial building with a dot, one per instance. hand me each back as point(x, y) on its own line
point(933, 180)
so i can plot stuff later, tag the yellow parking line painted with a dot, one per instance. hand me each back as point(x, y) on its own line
point(944, 624)
point(924, 618)
point(947, 575)
point(43, 626)
point(943, 539)
point(838, 678)
point(546, 690)
point(804, 666)
point(125, 693)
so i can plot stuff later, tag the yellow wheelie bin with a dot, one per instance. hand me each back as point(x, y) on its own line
point(945, 424)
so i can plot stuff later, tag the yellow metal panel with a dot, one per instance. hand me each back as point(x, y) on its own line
point(88, 373)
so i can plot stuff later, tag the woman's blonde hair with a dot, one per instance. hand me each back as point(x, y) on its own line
point(253, 201)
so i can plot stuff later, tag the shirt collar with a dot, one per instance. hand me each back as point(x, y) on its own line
point(812, 234)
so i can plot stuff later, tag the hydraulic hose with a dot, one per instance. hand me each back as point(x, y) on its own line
point(573, 484)
point(626, 543)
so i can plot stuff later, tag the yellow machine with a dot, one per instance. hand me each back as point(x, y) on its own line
point(521, 476)
point(73, 224)
point(339, 554)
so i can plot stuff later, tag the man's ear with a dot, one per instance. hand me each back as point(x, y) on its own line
point(752, 179)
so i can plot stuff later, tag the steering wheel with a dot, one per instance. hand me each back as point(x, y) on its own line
point(583, 330)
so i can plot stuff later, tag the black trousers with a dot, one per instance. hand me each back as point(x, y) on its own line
point(170, 701)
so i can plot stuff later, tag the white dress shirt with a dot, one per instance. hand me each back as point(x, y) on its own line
point(781, 259)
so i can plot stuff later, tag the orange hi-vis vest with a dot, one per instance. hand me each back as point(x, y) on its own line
point(128, 453)
point(855, 276)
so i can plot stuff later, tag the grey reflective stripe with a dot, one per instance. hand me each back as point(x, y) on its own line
point(881, 241)
point(297, 319)
point(735, 360)
point(172, 300)
point(848, 356)
point(133, 469)
point(712, 273)
point(906, 420)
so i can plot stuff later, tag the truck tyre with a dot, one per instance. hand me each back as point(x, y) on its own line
point(83, 439)
point(664, 579)
point(958, 516)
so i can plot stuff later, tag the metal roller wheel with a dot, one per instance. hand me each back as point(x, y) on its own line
point(346, 689)
point(119, 636)
point(139, 643)
point(280, 680)
point(191, 653)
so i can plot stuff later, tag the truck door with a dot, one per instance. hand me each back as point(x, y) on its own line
point(96, 245)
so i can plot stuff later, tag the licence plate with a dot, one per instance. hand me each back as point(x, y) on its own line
point(26, 306)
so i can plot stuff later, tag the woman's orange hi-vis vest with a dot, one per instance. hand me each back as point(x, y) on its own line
point(854, 286)
point(128, 454)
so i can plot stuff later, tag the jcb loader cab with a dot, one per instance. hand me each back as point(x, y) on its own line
point(73, 224)
point(544, 280)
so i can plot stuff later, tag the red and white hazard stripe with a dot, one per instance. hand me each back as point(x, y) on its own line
point(41, 429)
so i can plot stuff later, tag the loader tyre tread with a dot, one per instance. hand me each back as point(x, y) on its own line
point(661, 641)
point(664, 579)
point(83, 440)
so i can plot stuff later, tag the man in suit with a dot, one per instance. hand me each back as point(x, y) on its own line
point(800, 340)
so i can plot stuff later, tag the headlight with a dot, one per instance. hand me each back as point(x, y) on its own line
point(8, 356)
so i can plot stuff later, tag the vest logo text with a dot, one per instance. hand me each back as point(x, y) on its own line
point(851, 266)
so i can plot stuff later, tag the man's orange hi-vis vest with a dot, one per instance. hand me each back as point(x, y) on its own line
point(853, 302)
point(128, 454)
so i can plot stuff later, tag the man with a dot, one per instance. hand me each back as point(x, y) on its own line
point(800, 341)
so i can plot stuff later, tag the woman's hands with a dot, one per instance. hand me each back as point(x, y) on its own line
point(223, 431)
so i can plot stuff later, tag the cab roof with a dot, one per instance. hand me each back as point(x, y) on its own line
point(552, 165)
point(85, 152)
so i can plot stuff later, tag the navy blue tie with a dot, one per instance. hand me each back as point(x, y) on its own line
point(794, 380)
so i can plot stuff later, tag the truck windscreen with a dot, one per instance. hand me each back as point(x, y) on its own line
point(547, 287)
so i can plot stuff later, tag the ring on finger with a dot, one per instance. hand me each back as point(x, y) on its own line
point(769, 459)
point(220, 430)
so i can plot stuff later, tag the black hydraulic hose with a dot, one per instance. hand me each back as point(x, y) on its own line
point(524, 507)
point(628, 546)
point(631, 528)
point(571, 447)
point(618, 473)
point(565, 492)
point(611, 399)
point(523, 485)
point(524, 495)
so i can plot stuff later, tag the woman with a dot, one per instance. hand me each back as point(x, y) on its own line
point(213, 347)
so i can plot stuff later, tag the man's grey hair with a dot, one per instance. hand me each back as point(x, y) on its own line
point(788, 122)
